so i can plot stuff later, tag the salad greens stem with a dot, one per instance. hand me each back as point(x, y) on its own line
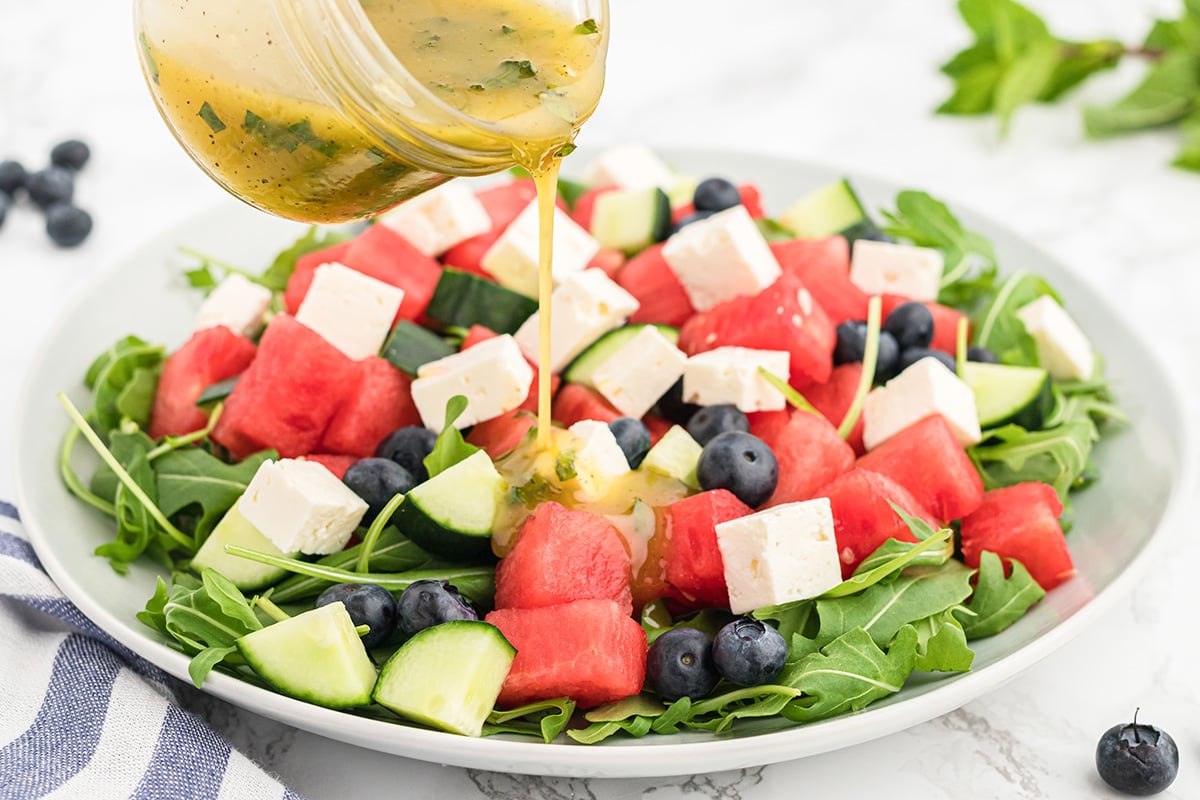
point(791, 395)
point(273, 611)
point(170, 443)
point(870, 356)
point(960, 347)
point(221, 265)
point(392, 581)
point(181, 538)
point(380, 522)
point(74, 485)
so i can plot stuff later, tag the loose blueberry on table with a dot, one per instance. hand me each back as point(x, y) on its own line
point(1137, 759)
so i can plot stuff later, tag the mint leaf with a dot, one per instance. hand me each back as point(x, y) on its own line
point(1077, 62)
point(998, 601)
point(450, 447)
point(1167, 94)
point(1025, 79)
point(587, 27)
point(277, 274)
point(1189, 153)
point(210, 118)
point(507, 75)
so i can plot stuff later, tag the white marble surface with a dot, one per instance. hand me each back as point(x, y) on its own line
point(850, 83)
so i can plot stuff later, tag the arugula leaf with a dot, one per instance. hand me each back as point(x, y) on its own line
point(570, 191)
point(641, 705)
point(204, 617)
point(201, 277)
point(942, 644)
point(1057, 455)
point(547, 719)
point(194, 480)
point(970, 260)
point(123, 379)
point(998, 601)
point(450, 447)
point(1167, 94)
point(136, 529)
point(637, 727)
point(276, 275)
point(998, 327)
point(847, 674)
point(393, 552)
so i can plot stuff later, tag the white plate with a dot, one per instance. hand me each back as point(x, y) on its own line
point(1143, 469)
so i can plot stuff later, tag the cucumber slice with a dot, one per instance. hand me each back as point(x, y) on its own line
point(447, 676)
point(217, 391)
point(316, 656)
point(1006, 393)
point(580, 370)
point(683, 191)
point(246, 575)
point(631, 220)
point(462, 300)
point(831, 209)
point(452, 513)
point(676, 456)
point(410, 346)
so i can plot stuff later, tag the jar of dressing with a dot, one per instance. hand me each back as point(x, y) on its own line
point(334, 110)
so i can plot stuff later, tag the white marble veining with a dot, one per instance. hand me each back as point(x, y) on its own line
point(851, 83)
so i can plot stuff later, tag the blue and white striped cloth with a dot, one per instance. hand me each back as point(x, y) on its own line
point(81, 716)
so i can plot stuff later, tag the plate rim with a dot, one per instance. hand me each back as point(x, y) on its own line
point(619, 758)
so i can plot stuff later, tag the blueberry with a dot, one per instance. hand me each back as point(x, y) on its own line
point(680, 664)
point(1137, 759)
point(695, 216)
point(911, 324)
point(67, 225)
point(982, 355)
point(634, 438)
point(716, 194)
point(51, 186)
point(887, 357)
point(749, 652)
point(427, 603)
point(672, 408)
point(741, 463)
point(851, 346)
point(408, 448)
point(71, 154)
point(710, 421)
point(914, 354)
point(377, 481)
point(368, 604)
point(12, 177)
point(4, 204)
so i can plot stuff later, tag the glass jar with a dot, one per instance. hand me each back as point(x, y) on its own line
point(303, 109)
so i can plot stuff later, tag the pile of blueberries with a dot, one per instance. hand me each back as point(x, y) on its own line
point(52, 190)
point(712, 195)
point(904, 340)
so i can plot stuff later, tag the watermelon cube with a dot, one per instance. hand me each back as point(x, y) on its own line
point(1021, 522)
point(694, 564)
point(863, 517)
point(823, 266)
point(286, 398)
point(502, 434)
point(784, 316)
point(588, 650)
point(834, 398)
point(928, 461)
point(380, 402)
point(575, 402)
point(211, 355)
point(659, 293)
point(337, 464)
point(561, 556)
point(810, 454)
point(302, 275)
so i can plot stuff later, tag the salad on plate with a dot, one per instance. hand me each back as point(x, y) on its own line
point(797, 458)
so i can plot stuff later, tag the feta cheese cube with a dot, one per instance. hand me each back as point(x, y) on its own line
point(437, 220)
point(598, 459)
point(1063, 349)
point(237, 303)
point(492, 375)
point(630, 166)
point(513, 258)
point(301, 507)
point(584, 308)
point(353, 311)
point(640, 372)
point(927, 387)
point(720, 258)
point(890, 268)
point(730, 375)
point(782, 554)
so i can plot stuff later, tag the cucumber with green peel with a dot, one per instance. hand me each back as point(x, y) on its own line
point(834, 208)
point(631, 220)
point(452, 513)
point(316, 656)
point(585, 364)
point(447, 676)
point(682, 191)
point(409, 346)
point(1010, 394)
point(245, 574)
point(461, 299)
point(676, 456)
